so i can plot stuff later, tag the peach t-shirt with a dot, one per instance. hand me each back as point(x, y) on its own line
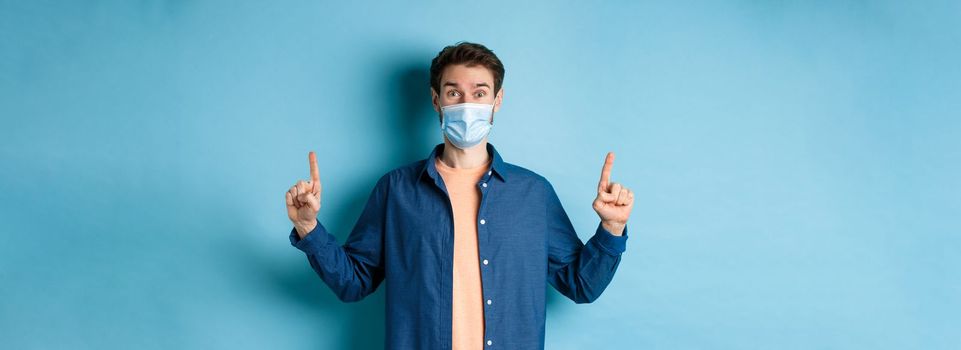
point(468, 299)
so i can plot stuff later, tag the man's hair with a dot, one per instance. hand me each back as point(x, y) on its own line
point(469, 54)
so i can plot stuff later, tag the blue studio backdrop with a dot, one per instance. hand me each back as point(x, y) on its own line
point(796, 164)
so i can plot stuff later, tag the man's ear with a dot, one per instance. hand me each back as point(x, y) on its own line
point(433, 99)
point(498, 99)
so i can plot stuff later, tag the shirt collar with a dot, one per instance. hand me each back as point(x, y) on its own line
point(498, 167)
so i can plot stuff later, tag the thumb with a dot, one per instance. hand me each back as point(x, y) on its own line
point(309, 200)
point(606, 197)
point(314, 203)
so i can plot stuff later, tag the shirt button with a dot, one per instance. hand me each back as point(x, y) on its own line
point(484, 184)
point(485, 261)
point(488, 172)
point(489, 301)
point(489, 343)
point(483, 221)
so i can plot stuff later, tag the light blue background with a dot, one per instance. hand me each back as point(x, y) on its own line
point(796, 164)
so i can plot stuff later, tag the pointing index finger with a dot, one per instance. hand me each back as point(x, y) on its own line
point(314, 172)
point(606, 172)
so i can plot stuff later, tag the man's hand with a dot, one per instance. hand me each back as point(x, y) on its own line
point(303, 200)
point(614, 202)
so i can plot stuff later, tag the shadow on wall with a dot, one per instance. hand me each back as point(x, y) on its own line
point(417, 129)
point(410, 136)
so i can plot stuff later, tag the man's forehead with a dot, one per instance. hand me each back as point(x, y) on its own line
point(463, 75)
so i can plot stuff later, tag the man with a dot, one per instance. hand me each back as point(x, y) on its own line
point(465, 240)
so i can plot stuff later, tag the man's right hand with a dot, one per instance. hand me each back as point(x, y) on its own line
point(303, 200)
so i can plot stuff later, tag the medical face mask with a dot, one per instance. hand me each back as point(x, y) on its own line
point(466, 124)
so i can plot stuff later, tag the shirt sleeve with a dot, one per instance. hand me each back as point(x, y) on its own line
point(354, 270)
point(579, 271)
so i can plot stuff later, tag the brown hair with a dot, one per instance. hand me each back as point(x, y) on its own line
point(469, 54)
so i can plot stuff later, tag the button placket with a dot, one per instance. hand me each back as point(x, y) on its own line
point(484, 187)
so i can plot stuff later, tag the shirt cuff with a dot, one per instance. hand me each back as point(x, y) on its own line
point(613, 245)
point(312, 242)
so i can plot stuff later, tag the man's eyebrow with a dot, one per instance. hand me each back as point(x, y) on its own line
point(480, 84)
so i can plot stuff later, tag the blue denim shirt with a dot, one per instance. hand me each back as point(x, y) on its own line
point(405, 236)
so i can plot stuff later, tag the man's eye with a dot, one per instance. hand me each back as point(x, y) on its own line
point(452, 93)
point(480, 94)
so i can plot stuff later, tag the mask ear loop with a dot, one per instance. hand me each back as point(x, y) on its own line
point(441, 108)
point(493, 105)
point(442, 118)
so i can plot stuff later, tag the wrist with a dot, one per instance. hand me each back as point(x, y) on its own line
point(615, 228)
point(303, 228)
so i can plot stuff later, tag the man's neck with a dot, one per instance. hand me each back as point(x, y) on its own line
point(465, 158)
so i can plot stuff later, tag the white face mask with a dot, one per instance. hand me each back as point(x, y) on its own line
point(466, 124)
